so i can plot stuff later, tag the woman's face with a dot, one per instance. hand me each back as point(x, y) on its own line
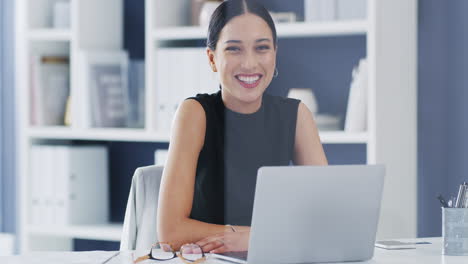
point(245, 59)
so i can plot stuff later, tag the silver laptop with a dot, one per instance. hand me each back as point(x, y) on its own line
point(307, 214)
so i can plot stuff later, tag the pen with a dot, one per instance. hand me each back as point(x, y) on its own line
point(460, 203)
point(466, 197)
point(442, 201)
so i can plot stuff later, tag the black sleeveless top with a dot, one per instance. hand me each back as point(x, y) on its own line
point(236, 146)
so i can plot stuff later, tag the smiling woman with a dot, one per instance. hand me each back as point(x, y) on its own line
point(220, 140)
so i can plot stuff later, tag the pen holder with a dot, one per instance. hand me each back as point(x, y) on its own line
point(455, 231)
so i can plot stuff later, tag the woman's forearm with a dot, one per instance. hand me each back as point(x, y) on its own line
point(190, 231)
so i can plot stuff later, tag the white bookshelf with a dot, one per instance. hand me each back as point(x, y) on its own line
point(110, 232)
point(298, 30)
point(390, 32)
point(95, 25)
point(50, 35)
point(98, 134)
point(140, 135)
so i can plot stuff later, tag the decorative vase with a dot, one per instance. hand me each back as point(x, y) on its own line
point(206, 11)
point(306, 96)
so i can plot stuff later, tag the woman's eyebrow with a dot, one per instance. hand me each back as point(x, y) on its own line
point(239, 41)
point(263, 39)
point(233, 41)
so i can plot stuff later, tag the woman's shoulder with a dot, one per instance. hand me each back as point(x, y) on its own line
point(209, 102)
point(206, 98)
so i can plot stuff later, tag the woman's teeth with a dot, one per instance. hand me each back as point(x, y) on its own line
point(249, 80)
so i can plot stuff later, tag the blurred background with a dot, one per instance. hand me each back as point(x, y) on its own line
point(80, 95)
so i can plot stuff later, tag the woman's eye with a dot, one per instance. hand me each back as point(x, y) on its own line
point(232, 48)
point(263, 47)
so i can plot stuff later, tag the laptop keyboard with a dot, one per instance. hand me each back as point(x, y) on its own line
point(238, 255)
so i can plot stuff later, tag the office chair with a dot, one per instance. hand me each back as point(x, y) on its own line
point(139, 228)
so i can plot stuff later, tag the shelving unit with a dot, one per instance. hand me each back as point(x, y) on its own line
point(298, 30)
point(50, 35)
point(139, 135)
point(35, 35)
point(111, 232)
point(390, 32)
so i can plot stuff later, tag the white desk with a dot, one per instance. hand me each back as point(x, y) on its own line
point(427, 254)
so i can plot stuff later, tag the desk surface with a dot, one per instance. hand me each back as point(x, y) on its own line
point(427, 254)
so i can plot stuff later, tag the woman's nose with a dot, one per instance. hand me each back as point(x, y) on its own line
point(249, 62)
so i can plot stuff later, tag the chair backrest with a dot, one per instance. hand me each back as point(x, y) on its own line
point(139, 228)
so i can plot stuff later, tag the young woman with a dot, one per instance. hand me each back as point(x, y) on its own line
point(219, 141)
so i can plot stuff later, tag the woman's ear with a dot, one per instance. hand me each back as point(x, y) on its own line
point(211, 60)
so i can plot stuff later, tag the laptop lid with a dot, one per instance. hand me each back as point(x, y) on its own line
point(306, 214)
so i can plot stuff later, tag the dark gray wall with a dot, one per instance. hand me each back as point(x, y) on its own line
point(1, 117)
point(442, 97)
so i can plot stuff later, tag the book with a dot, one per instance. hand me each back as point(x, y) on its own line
point(49, 89)
point(136, 93)
point(356, 113)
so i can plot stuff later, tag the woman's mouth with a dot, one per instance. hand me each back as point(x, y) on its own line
point(249, 80)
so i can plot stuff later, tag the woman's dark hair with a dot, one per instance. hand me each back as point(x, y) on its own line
point(230, 9)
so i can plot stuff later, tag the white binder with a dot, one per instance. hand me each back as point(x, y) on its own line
point(81, 177)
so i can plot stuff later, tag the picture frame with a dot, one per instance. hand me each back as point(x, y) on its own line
point(105, 87)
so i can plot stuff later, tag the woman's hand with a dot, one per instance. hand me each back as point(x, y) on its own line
point(226, 242)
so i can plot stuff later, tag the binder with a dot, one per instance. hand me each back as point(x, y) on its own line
point(69, 185)
point(47, 184)
point(82, 195)
point(36, 200)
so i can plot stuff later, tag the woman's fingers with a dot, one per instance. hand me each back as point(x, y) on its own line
point(219, 250)
point(207, 240)
point(212, 245)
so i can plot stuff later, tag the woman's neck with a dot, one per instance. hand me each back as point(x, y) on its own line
point(238, 106)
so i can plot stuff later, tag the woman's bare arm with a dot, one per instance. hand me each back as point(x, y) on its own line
point(307, 148)
point(178, 180)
